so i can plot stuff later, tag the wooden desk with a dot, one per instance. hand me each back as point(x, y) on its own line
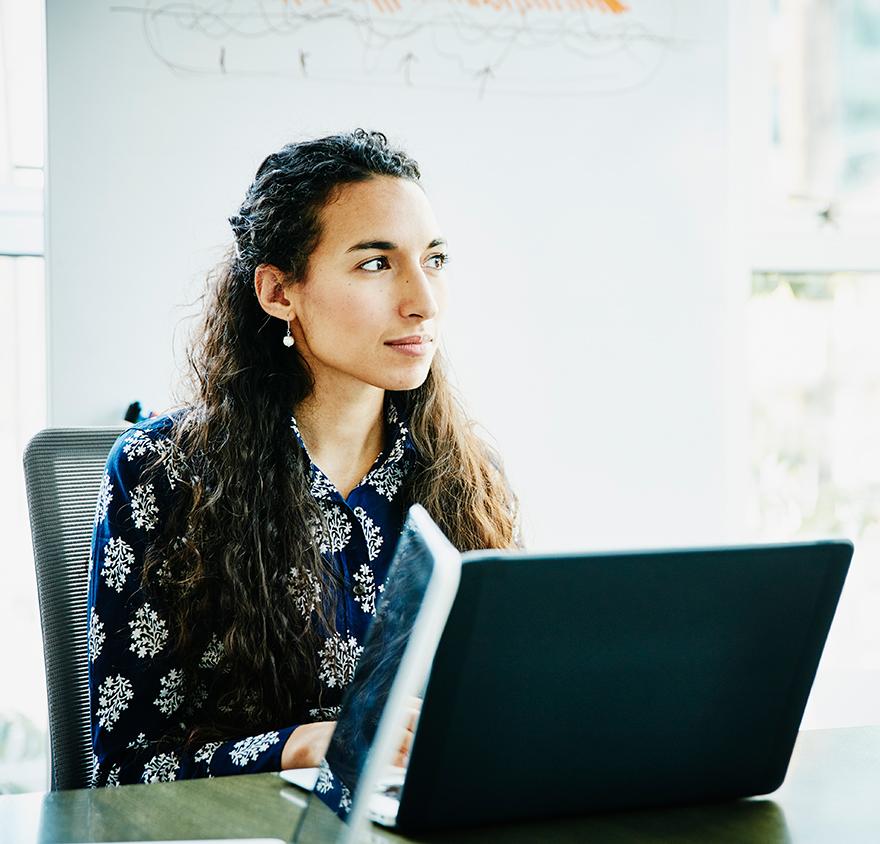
point(831, 795)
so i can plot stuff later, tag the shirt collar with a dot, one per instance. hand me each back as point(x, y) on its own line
point(397, 433)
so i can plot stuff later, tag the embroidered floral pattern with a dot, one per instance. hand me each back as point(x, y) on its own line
point(365, 589)
point(171, 692)
point(113, 777)
point(372, 534)
point(206, 752)
point(397, 449)
point(305, 589)
point(163, 572)
point(161, 768)
point(118, 560)
point(325, 778)
point(96, 635)
point(137, 444)
point(250, 703)
point(345, 798)
point(113, 697)
point(250, 748)
point(337, 533)
point(213, 654)
point(339, 657)
point(198, 699)
point(140, 742)
point(148, 632)
point(105, 496)
point(387, 479)
point(325, 713)
point(172, 460)
point(144, 510)
point(321, 486)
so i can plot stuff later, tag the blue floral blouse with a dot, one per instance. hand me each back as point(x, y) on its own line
point(136, 688)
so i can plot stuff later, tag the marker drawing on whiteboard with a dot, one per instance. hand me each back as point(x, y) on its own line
point(406, 63)
point(528, 47)
point(485, 73)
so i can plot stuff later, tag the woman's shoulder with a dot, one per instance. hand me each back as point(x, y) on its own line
point(150, 442)
point(142, 436)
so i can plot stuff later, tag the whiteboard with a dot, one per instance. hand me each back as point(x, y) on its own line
point(578, 166)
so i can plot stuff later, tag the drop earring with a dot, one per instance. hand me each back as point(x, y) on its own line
point(288, 338)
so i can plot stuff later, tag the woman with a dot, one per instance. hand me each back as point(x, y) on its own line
point(242, 539)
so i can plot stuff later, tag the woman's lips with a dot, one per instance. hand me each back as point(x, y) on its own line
point(414, 349)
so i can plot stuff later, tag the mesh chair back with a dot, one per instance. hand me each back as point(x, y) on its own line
point(63, 469)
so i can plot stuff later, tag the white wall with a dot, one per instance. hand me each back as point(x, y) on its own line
point(588, 234)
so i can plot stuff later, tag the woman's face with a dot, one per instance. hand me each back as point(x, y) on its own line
point(376, 277)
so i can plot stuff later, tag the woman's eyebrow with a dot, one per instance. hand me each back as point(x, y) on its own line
point(388, 246)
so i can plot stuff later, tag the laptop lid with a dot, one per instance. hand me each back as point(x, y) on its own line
point(572, 683)
point(389, 678)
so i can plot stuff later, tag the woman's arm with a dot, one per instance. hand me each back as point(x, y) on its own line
point(137, 696)
point(307, 744)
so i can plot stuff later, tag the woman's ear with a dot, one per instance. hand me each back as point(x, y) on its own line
point(269, 284)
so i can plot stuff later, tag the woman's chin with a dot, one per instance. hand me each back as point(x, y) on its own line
point(404, 381)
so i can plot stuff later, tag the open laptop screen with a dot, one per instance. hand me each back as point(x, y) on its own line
point(388, 680)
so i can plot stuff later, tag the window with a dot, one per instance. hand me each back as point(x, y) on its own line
point(813, 209)
point(824, 111)
point(22, 389)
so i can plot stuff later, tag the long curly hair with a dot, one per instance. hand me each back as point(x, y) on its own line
point(240, 539)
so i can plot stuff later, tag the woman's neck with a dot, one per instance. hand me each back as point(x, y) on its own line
point(343, 431)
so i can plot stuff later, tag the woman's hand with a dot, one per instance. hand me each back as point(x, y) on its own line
point(307, 745)
point(411, 719)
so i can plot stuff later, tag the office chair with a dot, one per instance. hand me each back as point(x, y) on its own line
point(63, 469)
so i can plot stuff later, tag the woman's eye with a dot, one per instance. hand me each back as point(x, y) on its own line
point(366, 264)
point(380, 262)
point(442, 257)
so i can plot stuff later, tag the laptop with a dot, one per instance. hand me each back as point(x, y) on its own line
point(573, 683)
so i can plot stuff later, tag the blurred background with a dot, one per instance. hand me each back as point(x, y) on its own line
point(663, 217)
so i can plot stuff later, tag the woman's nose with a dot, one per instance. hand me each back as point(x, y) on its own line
point(418, 297)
